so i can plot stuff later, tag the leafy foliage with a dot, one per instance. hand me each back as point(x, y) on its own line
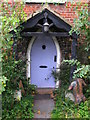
point(3, 83)
point(13, 70)
point(82, 71)
point(10, 19)
point(15, 110)
point(81, 25)
point(63, 74)
point(31, 89)
point(65, 108)
point(12, 109)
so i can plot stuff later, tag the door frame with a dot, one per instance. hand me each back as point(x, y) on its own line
point(28, 57)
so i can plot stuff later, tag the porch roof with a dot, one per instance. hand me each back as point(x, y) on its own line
point(57, 21)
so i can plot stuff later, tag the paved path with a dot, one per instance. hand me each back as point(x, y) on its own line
point(43, 105)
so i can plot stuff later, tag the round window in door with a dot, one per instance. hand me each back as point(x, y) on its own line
point(43, 60)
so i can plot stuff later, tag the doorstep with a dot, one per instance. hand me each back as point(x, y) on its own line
point(45, 90)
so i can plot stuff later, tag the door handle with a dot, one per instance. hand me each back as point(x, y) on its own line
point(55, 58)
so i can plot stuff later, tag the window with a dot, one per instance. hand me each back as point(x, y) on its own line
point(43, 47)
point(43, 1)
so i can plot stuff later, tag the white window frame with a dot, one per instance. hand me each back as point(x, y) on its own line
point(46, 1)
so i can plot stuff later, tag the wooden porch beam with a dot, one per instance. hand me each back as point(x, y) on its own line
point(14, 47)
point(59, 34)
point(73, 51)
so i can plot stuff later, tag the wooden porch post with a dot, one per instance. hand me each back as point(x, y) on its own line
point(73, 56)
point(15, 47)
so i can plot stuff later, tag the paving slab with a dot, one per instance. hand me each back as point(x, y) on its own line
point(43, 105)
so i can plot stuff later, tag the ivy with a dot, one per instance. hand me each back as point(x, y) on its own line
point(82, 71)
point(81, 25)
point(11, 17)
point(17, 110)
point(13, 70)
point(65, 108)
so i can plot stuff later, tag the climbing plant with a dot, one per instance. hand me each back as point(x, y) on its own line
point(12, 15)
point(81, 27)
point(64, 107)
point(13, 70)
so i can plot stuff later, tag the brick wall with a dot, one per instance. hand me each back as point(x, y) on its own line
point(66, 11)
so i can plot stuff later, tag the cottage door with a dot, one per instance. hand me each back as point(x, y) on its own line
point(43, 60)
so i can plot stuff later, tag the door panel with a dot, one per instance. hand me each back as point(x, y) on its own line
point(43, 60)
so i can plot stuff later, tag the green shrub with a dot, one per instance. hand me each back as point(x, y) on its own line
point(31, 89)
point(63, 74)
point(65, 108)
point(21, 109)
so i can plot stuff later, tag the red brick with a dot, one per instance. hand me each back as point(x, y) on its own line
point(64, 11)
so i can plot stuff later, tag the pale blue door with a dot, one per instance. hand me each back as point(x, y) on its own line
point(43, 60)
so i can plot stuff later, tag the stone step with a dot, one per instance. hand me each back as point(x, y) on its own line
point(45, 90)
point(43, 106)
point(42, 96)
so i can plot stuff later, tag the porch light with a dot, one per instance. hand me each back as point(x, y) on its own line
point(46, 27)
